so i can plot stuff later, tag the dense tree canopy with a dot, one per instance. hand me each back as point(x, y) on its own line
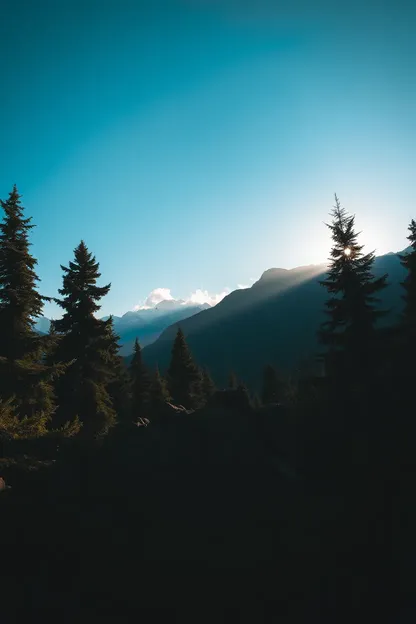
point(24, 373)
point(87, 343)
point(408, 260)
point(183, 374)
point(352, 307)
point(140, 383)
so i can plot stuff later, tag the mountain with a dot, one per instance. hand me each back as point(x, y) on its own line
point(275, 321)
point(42, 325)
point(146, 324)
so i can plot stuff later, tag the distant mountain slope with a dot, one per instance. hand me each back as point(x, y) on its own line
point(275, 321)
point(145, 324)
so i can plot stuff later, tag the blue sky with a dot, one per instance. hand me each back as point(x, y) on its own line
point(194, 144)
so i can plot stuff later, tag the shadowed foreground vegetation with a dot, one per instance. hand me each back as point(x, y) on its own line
point(238, 509)
point(135, 494)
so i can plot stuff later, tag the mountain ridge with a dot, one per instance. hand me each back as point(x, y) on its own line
point(274, 321)
point(146, 324)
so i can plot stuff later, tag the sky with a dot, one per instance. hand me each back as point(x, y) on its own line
point(194, 144)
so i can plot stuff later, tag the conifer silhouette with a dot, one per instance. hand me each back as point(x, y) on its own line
point(184, 375)
point(350, 331)
point(87, 343)
point(24, 372)
point(140, 383)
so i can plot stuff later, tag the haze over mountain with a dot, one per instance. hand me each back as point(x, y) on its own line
point(274, 321)
point(147, 321)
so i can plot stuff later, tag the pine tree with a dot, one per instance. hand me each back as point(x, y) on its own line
point(207, 385)
point(159, 392)
point(271, 390)
point(24, 373)
point(140, 383)
point(349, 333)
point(86, 342)
point(408, 261)
point(184, 375)
point(119, 385)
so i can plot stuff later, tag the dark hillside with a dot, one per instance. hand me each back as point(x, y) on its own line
point(273, 321)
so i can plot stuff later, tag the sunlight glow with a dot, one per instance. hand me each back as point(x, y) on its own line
point(347, 251)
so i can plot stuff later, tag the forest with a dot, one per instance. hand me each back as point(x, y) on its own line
point(130, 490)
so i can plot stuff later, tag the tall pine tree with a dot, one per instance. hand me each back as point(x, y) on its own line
point(408, 261)
point(207, 385)
point(24, 372)
point(159, 392)
point(87, 342)
point(349, 333)
point(140, 383)
point(119, 385)
point(184, 375)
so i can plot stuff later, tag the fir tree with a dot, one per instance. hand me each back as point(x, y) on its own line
point(140, 383)
point(24, 373)
point(87, 343)
point(207, 385)
point(271, 390)
point(349, 333)
point(159, 392)
point(119, 384)
point(408, 261)
point(184, 375)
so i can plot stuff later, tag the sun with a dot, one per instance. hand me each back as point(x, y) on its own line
point(347, 251)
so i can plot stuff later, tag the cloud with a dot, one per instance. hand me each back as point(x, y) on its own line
point(203, 296)
point(154, 298)
point(198, 297)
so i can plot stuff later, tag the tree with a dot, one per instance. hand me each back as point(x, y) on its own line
point(140, 383)
point(28, 429)
point(408, 261)
point(86, 344)
point(159, 392)
point(350, 331)
point(184, 375)
point(119, 385)
point(271, 390)
point(207, 385)
point(24, 372)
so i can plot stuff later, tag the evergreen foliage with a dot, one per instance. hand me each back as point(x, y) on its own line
point(159, 392)
point(184, 375)
point(140, 383)
point(86, 344)
point(24, 373)
point(207, 385)
point(349, 333)
point(14, 428)
point(408, 260)
point(119, 385)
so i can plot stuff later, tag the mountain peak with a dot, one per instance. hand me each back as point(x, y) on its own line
point(169, 304)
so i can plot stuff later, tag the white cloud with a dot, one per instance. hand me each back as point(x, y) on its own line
point(156, 296)
point(198, 297)
point(203, 296)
